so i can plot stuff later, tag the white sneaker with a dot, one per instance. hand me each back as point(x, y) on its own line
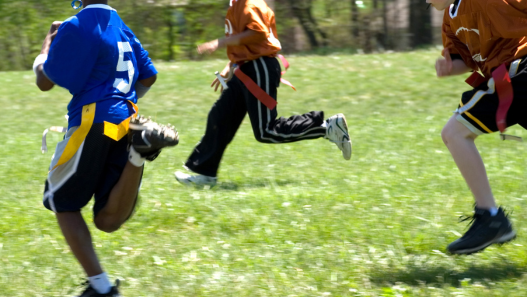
point(337, 132)
point(197, 180)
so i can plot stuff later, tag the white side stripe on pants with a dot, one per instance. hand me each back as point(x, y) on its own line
point(258, 82)
point(271, 132)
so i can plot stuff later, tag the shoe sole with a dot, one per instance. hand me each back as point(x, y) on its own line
point(139, 123)
point(502, 240)
point(189, 184)
point(137, 127)
point(346, 132)
point(182, 181)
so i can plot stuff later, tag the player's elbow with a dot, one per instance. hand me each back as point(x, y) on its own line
point(43, 83)
point(44, 87)
point(148, 82)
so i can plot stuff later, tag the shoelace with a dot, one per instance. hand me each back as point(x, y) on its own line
point(473, 218)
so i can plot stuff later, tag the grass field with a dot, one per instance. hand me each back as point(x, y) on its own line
point(285, 220)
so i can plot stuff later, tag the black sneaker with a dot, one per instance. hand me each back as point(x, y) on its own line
point(148, 137)
point(485, 230)
point(90, 291)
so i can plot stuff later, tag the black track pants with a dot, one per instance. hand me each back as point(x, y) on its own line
point(228, 112)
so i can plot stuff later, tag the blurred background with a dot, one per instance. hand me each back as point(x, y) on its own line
point(171, 29)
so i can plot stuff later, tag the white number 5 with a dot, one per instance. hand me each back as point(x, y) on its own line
point(123, 85)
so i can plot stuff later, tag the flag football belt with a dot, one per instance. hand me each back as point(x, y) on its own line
point(257, 91)
point(114, 131)
point(504, 90)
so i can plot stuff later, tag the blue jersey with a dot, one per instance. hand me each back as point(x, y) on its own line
point(98, 59)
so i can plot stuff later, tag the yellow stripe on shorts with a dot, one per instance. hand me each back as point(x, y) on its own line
point(77, 138)
point(478, 122)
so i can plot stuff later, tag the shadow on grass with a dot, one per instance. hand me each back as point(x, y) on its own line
point(446, 275)
point(232, 186)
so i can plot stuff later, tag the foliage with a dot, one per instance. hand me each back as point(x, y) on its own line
point(168, 32)
point(24, 26)
point(171, 31)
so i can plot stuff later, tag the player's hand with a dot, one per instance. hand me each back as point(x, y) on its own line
point(50, 37)
point(444, 65)
point(54, 27)
point(208, 47)
point(227, 74)
point(53, 30)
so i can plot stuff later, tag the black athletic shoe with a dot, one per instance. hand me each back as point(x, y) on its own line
point(90, 291)
point(148, 137)
point(485, 230)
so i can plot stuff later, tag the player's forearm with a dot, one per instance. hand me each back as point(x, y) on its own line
point(246, 37)
point(43, 82)
point(459, 67)
point(143, 86)
point(45, 47)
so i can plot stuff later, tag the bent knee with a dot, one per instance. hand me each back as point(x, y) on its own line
point(446, 134)
point(107, 226)
point(455, 130)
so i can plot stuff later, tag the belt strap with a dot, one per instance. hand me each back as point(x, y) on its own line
point(504, 90)
point(475, 79)
point(257, 92)
point(505, 95)
point(260, 94)
point(118, 131)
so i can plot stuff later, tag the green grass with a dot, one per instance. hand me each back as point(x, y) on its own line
point(285, 220)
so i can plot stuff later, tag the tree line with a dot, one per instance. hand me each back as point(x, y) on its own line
point(171, 29)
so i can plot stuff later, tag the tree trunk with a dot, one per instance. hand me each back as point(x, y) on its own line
point(385, 23)
point(355, 30)
point(302, 12)
point(420, 24)
point(367, 46)
point(313, 21)
point(170, 33)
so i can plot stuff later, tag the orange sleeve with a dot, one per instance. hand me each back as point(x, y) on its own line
point(508, 18)
point(253, 18)
point(454, 45)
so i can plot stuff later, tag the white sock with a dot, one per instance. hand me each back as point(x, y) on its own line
point(135, 158)
point(493, 211)
point(100, 283)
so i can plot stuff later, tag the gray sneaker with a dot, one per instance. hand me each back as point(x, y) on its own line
point(197, 180)
point(337, 132)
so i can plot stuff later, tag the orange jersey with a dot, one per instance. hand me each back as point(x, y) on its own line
point(486, 33)
point(251, 15)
